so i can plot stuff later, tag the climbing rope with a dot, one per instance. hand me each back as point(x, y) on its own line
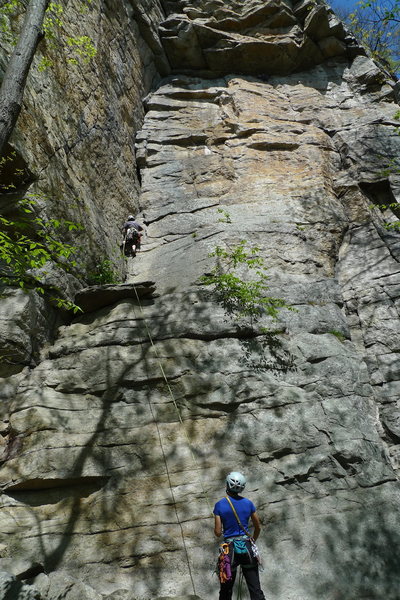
point(173, 496)
point(170, 392)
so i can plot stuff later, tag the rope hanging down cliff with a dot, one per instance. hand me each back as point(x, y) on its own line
point(161, 443)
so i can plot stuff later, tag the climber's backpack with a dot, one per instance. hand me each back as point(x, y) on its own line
point(132, 235)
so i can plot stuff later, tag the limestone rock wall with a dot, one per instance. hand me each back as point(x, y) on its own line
point(76, 130)
point(110, 470)
point(75, 143)
point(214, 35)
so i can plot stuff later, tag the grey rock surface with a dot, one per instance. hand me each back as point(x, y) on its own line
point(77, 126)
point(117, 443)
point(27, 323)
point(13, 589)
point(86, 143)
point(259, 38)
point(59, 585)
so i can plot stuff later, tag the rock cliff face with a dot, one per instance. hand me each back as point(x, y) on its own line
point(75, 144)
point(116, 444)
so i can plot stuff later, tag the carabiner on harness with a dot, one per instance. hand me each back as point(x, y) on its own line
point(224, 563)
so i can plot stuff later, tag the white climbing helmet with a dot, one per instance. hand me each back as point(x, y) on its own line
point(235, 482)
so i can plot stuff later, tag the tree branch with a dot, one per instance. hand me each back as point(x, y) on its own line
point(13, 85)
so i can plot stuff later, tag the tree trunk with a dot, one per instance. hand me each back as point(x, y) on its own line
point(13, 85)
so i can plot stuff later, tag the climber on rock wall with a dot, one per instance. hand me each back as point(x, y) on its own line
point(132, 236)
point(232, 515)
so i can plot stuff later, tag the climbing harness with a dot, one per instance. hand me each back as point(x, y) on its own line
point(162, 446)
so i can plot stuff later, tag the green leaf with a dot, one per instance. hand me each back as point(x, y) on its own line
point(27, 244)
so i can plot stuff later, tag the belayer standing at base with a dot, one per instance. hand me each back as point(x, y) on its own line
point(232, 515)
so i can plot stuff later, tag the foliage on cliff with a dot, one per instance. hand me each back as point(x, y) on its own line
point(28, 243)
point(239, 279)
point(376, 24)
point(42, 18)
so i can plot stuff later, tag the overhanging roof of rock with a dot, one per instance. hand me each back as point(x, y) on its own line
point(253, 37)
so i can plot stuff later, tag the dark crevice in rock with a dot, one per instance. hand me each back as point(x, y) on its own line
point(188, 212)
point(347, 462)
point(15, 178)
point(315, 361)
point(390, 434)
point(277, 454)
point(138, 385)
point(190, 141)
point(10, 367)
point(296, 479)
point(221, 407)
point(273, 146)
point(225, 407)
point(389, 275)
point(177, 236)
point(205, 337)
point(30, 490)
point(200, 95)
point(99, 296)
point(326, 433)
point(139, 177)
point(378, 483)
point(379, 193)
point(31, 572)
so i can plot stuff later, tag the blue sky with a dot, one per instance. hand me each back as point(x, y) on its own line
point(344, 4)
point(349, 5)
point(391, 37)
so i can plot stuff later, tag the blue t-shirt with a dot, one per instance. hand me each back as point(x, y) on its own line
point(244, 508)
